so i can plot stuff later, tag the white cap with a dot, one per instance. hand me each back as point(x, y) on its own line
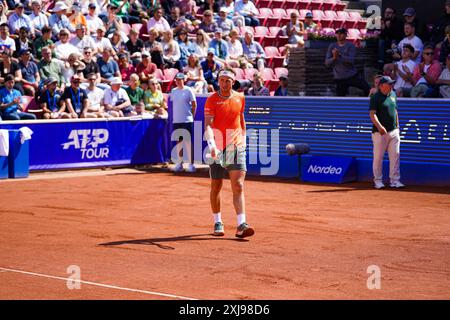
point(60, 6)
point(116, 80)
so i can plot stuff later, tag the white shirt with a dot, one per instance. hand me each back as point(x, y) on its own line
point(85, 42)
point(416, 43)
point(64, 50)
point(102, 44)
point(112, 97)
point(38, 21)
point(235, 49)
point(182, 108)
point(93, 23)
point(422, 79)
point(161, 25)
point(400, 82)
point(9, 43)
point(175, 54)
point(95, 98)
point(245, 8)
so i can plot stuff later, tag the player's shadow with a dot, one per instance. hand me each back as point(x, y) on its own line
point(157, 241)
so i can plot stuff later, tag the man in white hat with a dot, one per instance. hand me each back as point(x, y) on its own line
point(116, 99)
point(58, 20)
point(225, 134)
point(184, 106)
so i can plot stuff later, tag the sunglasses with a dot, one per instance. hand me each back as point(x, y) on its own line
point(76, 81)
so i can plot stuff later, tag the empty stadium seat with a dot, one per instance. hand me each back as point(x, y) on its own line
point(315, 4)
point(277, 4)
point(169, 75)
point(273, 57)
point(264, 13)
point(244, 29)
point(271, 81)
point(30, 105)
point(327, 20)
point(303, 4)
point(275, 18)
point(263, 3)
point(339, 6)
point(249, 73)
point(281, 71)
point(354, 34)
point(318, 15)
point(360, 22)
point(137, 27)
point(260, 33)
point(290, 4)
point(328, 4)
point(240, 74)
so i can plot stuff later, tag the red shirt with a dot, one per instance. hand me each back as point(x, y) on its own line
point(148, 71)
point(127, 72)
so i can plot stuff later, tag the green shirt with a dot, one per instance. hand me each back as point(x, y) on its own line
point(51, 69)
point(136, 96)
point(125, 8)
point(151, 99)
point(40, 43)
point(386, 110)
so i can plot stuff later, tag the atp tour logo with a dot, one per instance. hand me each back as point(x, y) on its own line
point(324, 170)
point(88, 142)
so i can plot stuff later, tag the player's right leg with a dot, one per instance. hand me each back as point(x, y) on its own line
point(216, 172)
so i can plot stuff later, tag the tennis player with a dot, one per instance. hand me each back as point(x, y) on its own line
point(225, 134)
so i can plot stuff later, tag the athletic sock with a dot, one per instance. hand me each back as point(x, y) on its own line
point(240, 218)
point(217, 217)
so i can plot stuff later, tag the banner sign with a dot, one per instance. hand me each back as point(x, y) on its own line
point(330, 169)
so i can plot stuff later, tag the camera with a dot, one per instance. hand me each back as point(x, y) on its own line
point(393, 51)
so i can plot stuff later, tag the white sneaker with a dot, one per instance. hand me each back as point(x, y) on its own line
point(178, 167)
point(397, 184)
point(191, 168)
point(379, 185)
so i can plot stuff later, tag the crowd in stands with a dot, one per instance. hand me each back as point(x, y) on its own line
point(113, 58)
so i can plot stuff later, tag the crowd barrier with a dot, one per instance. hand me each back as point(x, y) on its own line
point(337, 127)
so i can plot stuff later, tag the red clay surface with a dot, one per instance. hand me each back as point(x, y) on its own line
point(152, 231)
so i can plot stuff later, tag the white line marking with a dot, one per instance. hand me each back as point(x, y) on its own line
point(98, 284)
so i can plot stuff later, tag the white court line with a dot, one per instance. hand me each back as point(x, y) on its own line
point(97, 284)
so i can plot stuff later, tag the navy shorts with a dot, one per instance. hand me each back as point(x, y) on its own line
point(233, 159)
point(189, 126)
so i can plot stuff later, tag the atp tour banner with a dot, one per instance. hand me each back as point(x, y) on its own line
point(60, 144)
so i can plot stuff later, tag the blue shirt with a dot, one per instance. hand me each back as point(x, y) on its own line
point(57, 23)
point(6, 97)
point(15, 22)
point(220, 48)
point(252, 50)
point(182, 108)
point(107, 69)
point(29, 71)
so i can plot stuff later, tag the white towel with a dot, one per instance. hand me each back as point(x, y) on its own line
point(25, 134)
point(4, 143)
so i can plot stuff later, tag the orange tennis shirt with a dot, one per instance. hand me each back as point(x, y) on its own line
point(227, 115)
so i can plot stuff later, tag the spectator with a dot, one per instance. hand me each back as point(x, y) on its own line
point(134, 44)
point(154, 100)
point(421, 30)
point(158, 22)
point(253, 51)
point(10, 102)
point(208, 24)
point(426, 74)
point(194, 75)
point(412, 39)
point(187, 6)
point(8, 66)
point(116, 99)
point(391, 33)
point(376, 84)
point(23, 42)
point(403, 72)
point(341, 57)
point(101, 43)
point(127, 11)
point(444, 80)
point(48, 67)
point(146, 69)
point(445, 46)
point(238, 20)
point(282, 90)
point(43, 41)
point(50, 101)
point(439, 31)
point(63, 48)
point(223, 22)
point(90, 66)
point(236, 57)
point(19, 19)
point(3, 11)
point(178, 22)
point(201, 44)
point(248, 10)
point(171, 50)
point(135, 93)
point(112, 22)
point(109, 69)
point(77, 17)
point(258, 88)
point(82, 40)
point(95, 96)
point(38, 19)
point(75, 99)
point(184, 107)
point(117, 43)
point(186, 48)
point(126, 68)
point(30, 73)
point(58, 20)
point(155, 48)
point(6, 43)
point(92, 20)
point(208, 5)
point(309, 25)
point(71, 67)
point(295, 31)
point(210, 70)
point(385, 134)
point(220, 47)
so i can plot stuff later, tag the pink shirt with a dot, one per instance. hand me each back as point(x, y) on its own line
point(434, 71)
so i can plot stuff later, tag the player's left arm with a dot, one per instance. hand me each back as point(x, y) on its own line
point(243, 125)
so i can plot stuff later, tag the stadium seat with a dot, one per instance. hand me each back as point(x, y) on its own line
point(281, 71)
point(303, 4)
point(315, 5)
point(318, 15)
point(240, 74)
point(160, 77)
point(137, 27)
point(273, 57)
point(353, 34)
point(244, 29)
point(263, 3)
point(249, 73)
point(260, 33)
point(264, 13)
point(339, 6)
point(169, 75)
point(302, 14)
point(327, 20)
point(290, 10)
point(275, 19)
point(341, 21)
point(30, 105)
point(271, 81)
point(360, 23)
point(290, 4)
point(126, 28)
point(328, 4)
point(277, 4)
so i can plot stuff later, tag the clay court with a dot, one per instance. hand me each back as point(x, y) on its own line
point(147, 235)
